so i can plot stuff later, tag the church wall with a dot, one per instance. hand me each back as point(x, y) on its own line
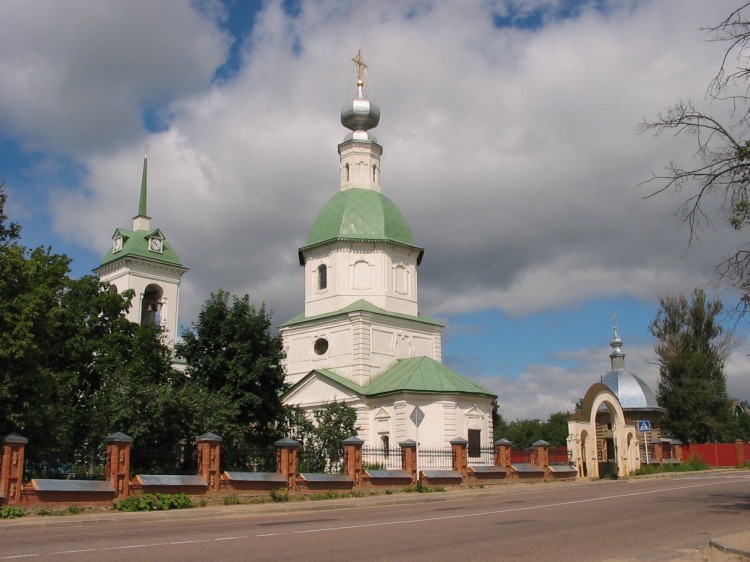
point(383, 274)
point(360, 346)
point(138, 275)
point(446, 417)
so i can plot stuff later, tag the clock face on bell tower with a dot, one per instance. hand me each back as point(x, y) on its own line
point(155, 245)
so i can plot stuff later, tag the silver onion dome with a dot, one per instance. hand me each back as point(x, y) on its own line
point(360, 115)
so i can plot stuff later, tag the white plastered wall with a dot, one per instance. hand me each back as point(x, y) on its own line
point(138, 275)
point(361, 345)
point(383, 274)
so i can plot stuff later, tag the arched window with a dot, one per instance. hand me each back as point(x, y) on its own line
point(346, 172)
point(151, 305)
point(322, 277)
point(385, 441)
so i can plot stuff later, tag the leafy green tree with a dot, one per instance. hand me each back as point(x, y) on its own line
point(72, 367)
point(8, 231)
point(499, 425)
point(555, 429)
point(523, 433)
point(232, 354)
point(692, 348)
point(322, 436)
point(720, 171)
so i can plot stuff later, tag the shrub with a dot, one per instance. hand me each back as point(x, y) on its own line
point(279, 496)
point(155, 502)
point(232, 499)
point(11, 512)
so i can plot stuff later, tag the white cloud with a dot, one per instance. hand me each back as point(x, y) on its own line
point(513, 153)
point(76, 76)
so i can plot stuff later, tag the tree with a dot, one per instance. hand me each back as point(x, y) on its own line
point(322, 436)
point(68, 354)
point(723, 149)
point(232, 355)
point(10, 231)
point(692, 348)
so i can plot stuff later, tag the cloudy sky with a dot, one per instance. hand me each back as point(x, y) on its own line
point(510, 135)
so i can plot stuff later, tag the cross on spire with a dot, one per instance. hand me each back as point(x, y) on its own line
point(361, 66)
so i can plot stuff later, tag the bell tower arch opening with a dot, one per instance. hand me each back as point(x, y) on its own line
point(151, 305)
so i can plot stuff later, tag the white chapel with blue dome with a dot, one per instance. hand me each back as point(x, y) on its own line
point(361, 338)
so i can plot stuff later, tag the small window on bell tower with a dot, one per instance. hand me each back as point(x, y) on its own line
point(322, 277)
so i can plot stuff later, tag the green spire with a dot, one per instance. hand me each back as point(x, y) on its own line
point(142, 204)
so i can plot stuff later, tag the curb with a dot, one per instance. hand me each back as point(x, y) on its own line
point(714, 543)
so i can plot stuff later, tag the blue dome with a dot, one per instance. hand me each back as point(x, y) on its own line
point(631, 391)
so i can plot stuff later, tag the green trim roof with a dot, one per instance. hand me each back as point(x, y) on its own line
point(420, 375)
point(136, 244)
point(360, 215)
point(360, 306)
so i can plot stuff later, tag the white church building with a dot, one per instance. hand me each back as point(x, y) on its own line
point(361, 339)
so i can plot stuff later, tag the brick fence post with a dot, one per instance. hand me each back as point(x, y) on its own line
point(658, 450)
point(502, 453)
point(739, 452)
point(677, 448)
point(353, 458)
point(542, 452)
point(118, 463)
point(286, 460)
point(11, 478)
point(209, 459)
point(409, 458)
point(460, 456)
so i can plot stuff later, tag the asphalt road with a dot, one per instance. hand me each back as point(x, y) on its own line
point(654, 519)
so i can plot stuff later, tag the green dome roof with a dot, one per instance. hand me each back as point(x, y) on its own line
point(360, 214)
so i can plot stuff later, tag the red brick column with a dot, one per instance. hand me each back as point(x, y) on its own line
point(502, 453)
point(409, 458)
point(353, 458)
point(209, 456)
point(658, 450)
point(118, 463)
point(11, 477)
point(739, 446)
point(542, 452)
point(677, 447)
point(286, 460)
point(460, 456)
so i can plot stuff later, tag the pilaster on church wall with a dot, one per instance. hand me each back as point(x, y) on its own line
point(450, 430)
point(402, 416)
point(363, 423)
point(361, 347)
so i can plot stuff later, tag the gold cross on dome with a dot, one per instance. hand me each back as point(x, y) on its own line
point(360, 66)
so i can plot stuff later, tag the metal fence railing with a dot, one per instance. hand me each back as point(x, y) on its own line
point(181, 459)
point(379, 458)
point(79, 465)
point(560, 455)
point(315, 459)
point(520, 456)
point(482, 456)
point(441, 458)
point(248, 459)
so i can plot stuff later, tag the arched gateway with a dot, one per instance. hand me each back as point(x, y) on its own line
point(599, 438)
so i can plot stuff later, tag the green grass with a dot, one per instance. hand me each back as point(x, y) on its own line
point(691, 466)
